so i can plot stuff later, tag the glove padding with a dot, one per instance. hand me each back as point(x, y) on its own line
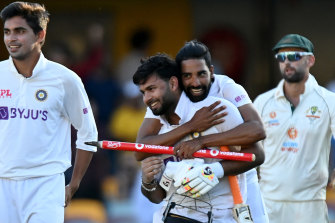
point(176, 170)
point(197, 181)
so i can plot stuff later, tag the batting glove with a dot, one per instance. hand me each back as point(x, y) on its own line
point(177, 170)
point(200, 179)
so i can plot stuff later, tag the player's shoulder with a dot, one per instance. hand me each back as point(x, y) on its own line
point(211, 99)
point(226, 84)
point(60, 71)
point(262, 99)
point(223, 79)
point(4, 64)
point(266, 95)
point(327, 95)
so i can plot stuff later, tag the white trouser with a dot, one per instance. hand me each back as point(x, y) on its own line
point(297, 212)
point(255, 198)
point(34, 200)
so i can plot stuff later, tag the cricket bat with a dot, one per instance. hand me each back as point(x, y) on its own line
point(241, 211)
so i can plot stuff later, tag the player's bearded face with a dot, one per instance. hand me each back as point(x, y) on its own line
point(196, 78)
point(198, 93)
point(292, 74)
point(165, 102)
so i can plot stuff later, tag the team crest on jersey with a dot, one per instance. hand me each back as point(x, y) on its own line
point(313, 113)
point(41, 95)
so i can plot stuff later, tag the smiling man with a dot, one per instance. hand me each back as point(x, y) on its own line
point(42, 100)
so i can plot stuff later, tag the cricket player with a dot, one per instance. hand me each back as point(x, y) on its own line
point(161, 92)
point(199, 81)
point(39, 101)
point(299, 118)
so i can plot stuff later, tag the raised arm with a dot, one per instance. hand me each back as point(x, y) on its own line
point(150, 188)
point(251, 131)
point(202, 120)
point(246, 134)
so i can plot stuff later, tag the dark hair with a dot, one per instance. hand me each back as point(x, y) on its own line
point(35, 14)
point(193, 50)
point(160, 64)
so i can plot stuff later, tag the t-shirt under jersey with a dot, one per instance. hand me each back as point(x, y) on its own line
point(36, 114)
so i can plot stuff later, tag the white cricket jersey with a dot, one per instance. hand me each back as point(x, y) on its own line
point(36, 114)
point(225, 87)
point(297, 145)
point(220, 196)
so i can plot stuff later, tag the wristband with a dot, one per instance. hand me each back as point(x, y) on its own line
point(149, 189)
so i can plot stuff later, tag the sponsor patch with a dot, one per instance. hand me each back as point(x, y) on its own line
point(5, 93)
point(239, 98)
point(292, 133)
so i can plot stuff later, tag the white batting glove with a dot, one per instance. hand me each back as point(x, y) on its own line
point(199, 180)
point(173, 170)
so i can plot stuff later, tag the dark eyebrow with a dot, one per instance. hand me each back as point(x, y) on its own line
point(16, 29)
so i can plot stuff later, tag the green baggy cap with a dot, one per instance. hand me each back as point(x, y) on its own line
point(294, 40)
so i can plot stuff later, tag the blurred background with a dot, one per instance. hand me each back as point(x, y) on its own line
point(103, 40)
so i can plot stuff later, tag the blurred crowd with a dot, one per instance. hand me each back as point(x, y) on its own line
point(108, 189)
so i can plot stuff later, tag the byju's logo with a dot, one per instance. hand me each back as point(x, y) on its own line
point(22, 113)
point(4, 115)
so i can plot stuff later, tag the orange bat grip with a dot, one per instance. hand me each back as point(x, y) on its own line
point(234, 187)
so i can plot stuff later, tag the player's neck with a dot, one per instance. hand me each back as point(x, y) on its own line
point(293, 91)
point(25, 67)
point(170, 115)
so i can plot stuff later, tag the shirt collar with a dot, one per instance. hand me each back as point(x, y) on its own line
point(310, 85)
point(40, 66)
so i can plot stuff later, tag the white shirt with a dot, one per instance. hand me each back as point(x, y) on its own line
point(36, 114)
point(297, 145)
point(220, 196)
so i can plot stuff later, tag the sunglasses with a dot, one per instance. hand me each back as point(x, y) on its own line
point(291, 56)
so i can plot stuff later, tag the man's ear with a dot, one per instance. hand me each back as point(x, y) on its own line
point(311, 60)
point(211, 69)
point(173, 83)
point(41, 36)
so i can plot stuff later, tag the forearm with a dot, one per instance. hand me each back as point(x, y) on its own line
point(237, 167)
point(82, 161)
point(166, 139)
point(244, 134)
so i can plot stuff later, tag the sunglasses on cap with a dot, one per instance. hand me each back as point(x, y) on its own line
point(291, 56)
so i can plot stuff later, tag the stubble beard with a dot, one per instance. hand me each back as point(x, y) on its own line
point(297, 77)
